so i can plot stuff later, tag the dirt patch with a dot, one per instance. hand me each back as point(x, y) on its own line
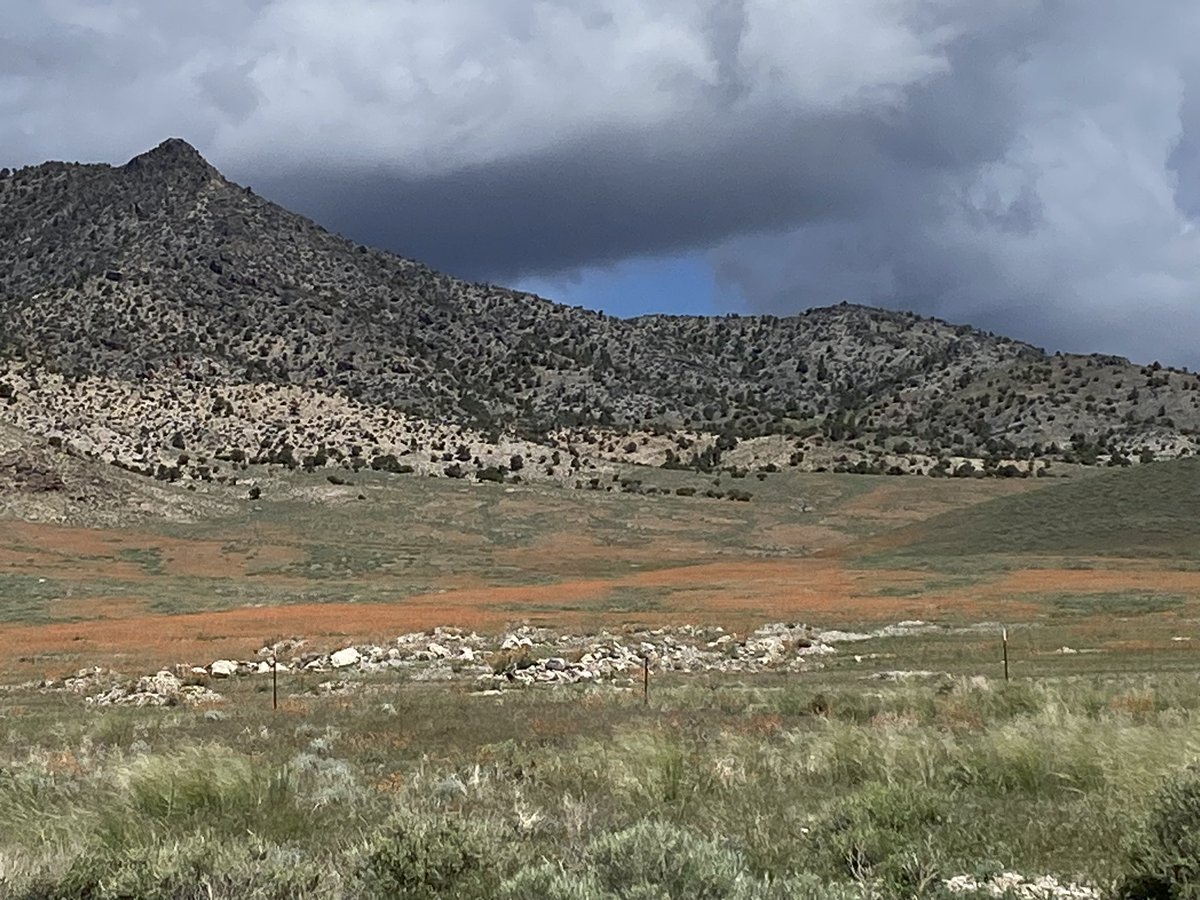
point(799, 538)
point(118, 554)
point(568, 552)
point(1111, 578)
point(901, 500)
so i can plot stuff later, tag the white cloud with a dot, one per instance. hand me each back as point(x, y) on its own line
point(435, 85)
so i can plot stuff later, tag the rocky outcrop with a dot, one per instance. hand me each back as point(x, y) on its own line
point(526, 657)
point(160, 689)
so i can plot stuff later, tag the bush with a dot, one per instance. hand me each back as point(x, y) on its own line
point(1164, 857)
point(192, 869)
point(876, 835)
point(654, 859)
point(424, 857)
point(550, 881)
point(658, 861)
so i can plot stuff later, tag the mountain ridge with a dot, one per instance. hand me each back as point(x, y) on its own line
point(162, 268)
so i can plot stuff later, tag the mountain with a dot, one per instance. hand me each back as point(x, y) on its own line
point(161, 271)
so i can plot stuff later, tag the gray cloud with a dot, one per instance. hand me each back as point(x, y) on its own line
point(1032, 167)
point(1068, 221)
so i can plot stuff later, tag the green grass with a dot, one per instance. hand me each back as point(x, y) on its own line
point(830, 783)
point(149, 559)
point(1115, 603)
point(1143, 511)
point(721, 790)
point(26, 598)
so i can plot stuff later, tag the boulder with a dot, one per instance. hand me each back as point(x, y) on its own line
point(222, 668)
point(344, 658)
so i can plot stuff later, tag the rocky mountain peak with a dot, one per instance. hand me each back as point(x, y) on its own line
point(172, 154)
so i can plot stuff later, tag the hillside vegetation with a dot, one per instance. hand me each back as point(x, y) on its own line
point(1139, 512)
point(163, 271)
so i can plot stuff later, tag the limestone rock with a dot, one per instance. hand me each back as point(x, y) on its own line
point(345, 658)
point(223, 668)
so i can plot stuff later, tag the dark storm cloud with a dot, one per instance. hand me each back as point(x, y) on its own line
point(1044, 185)
point(602, 201)
point(1031, 166)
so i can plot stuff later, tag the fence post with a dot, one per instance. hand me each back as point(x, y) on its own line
point(1004, 641)
point(274, 682)
point(645, 681)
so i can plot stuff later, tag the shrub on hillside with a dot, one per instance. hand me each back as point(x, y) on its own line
point(1164, 856)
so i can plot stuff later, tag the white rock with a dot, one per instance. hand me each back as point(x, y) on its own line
point(343, 658)
point(439, 651)
point(223, 668)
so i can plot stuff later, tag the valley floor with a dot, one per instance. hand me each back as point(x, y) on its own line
point(851, 758)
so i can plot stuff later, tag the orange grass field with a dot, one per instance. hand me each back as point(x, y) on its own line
point(155, 595)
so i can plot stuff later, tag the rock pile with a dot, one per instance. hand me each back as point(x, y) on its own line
point(539, 656)
point(163, 688)
point(524, 659)
point(526, 656)
point(1013, 884)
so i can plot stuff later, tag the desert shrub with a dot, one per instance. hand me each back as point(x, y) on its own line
point(192, 869)
point(652, 859)
point(388, 463)
point(649, 860)
point(417, 856)
point(1164, 854)
point(550, 881)
point(880, 834)
point(323, 781)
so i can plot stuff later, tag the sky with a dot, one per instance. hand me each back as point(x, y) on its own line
point(1031, 168)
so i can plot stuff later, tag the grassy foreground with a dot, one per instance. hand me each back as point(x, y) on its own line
point(716, 789)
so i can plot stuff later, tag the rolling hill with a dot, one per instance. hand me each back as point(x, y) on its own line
point(1139, 512)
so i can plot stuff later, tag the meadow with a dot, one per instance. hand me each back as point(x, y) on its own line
point(904, 766)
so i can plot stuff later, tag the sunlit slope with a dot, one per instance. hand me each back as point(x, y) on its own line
point(1147, 510)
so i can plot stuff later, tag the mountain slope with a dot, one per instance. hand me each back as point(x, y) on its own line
point(1146, 511)
point(163, 268)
